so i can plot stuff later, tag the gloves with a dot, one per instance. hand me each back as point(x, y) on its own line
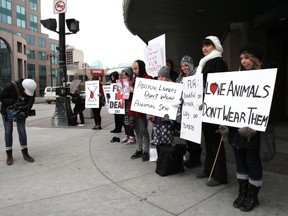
point(166, 117)
point(19, 104)
point(246, 132)
point(179, 117)
point(223, 130)
point(99, 94)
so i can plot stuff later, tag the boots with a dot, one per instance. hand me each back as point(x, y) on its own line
point(9, 160)
point(251, 200)
point(242, 193)
point(26, 156)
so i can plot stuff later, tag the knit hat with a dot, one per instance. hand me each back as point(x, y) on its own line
point(29, 85)
point(253, 49)
point(187, 60)
point(164, 72)
point(128, 71)
point(216, 42)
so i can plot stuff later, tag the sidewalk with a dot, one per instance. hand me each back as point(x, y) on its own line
point(80, 172)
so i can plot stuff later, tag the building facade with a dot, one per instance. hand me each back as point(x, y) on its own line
point(25, 51)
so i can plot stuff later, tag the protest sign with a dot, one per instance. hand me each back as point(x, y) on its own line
point(156, 97)
point(106, 90)
point(191, 125)
point(123, 89)
point(115, 106)
point(153, 59)
point(91, 92)
point(239, 99)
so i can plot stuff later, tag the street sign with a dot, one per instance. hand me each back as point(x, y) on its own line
point(60, 6)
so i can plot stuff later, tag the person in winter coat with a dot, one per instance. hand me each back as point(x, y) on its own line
point(97, 111)
point(162, 129)
point(79, 106)
point(140, 121)
point(245, 142)
point(194, 149)
point(17, 107)
point(212, 62)
point(129, 138)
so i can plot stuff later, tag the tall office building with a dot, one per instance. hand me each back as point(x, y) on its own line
point(25, 52)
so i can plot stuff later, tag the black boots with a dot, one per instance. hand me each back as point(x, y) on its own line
point(251, 200)
point(242, 193)
point(26, 156)
point(9, 160)
point(247, 198)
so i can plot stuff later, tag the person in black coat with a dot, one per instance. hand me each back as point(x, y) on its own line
point(79, 106)
point(16, 103)
point(212, 62)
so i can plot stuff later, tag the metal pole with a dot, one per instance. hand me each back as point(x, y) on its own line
point(51, 70)
point(62, 45)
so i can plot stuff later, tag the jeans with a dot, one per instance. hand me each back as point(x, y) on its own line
point(21, 128)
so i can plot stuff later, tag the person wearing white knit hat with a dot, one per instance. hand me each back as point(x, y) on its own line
point(212, 62)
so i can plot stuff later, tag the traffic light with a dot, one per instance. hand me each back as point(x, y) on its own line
point(72, 25)
point(50, 24)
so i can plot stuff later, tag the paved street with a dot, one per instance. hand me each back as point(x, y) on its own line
point(78, 171)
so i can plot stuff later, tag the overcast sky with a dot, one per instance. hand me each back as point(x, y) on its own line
point(103, 35)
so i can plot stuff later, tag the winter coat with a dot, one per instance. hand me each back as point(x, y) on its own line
point(9, 97)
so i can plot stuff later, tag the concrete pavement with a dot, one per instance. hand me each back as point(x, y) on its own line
point(78, 171)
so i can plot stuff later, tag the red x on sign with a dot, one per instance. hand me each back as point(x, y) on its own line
point(60, 6)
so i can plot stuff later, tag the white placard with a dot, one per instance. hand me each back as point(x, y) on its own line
point(239, 99)
point(91, 94)
point(106, 90)
point(115, 106)
point(191, 125)
point(156, 97)
point(153, 59)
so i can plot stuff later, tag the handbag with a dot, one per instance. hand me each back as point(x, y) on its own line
point(267, 148)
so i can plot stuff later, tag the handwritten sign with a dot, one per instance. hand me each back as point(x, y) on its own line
point(239, 99)
point(156, 97)
point(91, 92)
point(153, 59)
point(115, 106)
point(191, 125)
point(106, 90)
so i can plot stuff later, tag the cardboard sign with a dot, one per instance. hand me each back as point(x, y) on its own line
point(115, 106)
point(91, 92)
point(191, 125)
point(239, 99)
point(156, 97)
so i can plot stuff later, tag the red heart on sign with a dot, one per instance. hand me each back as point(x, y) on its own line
point(213, 87)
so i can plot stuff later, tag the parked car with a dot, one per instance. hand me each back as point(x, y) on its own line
point(50, 94)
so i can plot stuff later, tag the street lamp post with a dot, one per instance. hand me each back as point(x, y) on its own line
point(62, 109)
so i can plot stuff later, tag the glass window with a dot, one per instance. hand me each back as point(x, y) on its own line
point(30, 54)
point(41, 42)
point(42, 56)
point(30, 39)
point(31, 71)
point(21, 23)
point(33, 5)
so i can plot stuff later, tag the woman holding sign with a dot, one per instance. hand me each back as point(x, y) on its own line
point(246, 142)
point(212, 62)
point(140, 121)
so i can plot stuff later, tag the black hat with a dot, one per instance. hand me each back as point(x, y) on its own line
point(253, 49)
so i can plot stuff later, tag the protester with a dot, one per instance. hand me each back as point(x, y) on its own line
point(194, 149)
point(118, 118)
point(162, 129)
point(245, 142)
point(211, 63)
point(97, 111)
point(140, 121)
point(129, 138)
point(17, 100)
point(79, 106)
point(173, 74)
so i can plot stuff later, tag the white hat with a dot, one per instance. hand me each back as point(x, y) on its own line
point(215, 40)
point(29, 85)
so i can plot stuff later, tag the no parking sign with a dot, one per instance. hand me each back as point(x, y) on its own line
point(60, 6)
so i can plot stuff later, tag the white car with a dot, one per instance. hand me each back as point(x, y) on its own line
point(50, 94)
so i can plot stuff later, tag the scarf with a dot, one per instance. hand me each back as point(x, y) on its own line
point(214, 54)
